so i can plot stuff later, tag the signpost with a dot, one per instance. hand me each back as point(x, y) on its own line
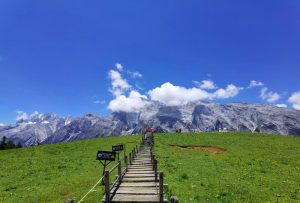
point(105, 156)
point(118, 148)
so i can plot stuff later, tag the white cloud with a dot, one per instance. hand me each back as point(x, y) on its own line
point(172, 95)
point(207, 84)
point(99, 102)
point(119, 66)
point(135, 74)
point(230, 91)
point(129, 100)
point(21, 115)
point(133, 103)
point(269, 96)
point(2, 124)
point(254, 83)
point(119, 85)
point(295, 100)
point(281, 105)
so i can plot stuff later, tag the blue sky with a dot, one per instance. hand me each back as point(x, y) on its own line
point(56, 56)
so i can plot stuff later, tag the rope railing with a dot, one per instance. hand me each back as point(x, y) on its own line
point(91, 189)
point(110, 189)
point(118, 179)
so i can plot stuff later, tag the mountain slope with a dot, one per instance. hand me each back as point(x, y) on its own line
point(49, 128)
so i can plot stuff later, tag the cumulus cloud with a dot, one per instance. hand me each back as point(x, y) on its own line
point(206, 84)
point(2, 124)
point(281, 105)
point(119, 66)
point(230, 91)
point(254, 83)
point(269, 96)
point(21, 115)
point(172, 95)
point(295, 100)
point(119, 85)
point(125, 98)
point(131, 103)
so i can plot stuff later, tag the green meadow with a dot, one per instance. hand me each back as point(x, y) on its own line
point(53, 173)
point(248, 168)
point(253, 167)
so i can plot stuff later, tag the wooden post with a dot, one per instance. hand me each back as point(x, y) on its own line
point(130, 158)
point(137, 150)
point(161, 187)
point(106, 182)
point(153, 159)
point(174, 199)
point(120, 172)
point(69, 201)
point(155, 169)
point(126, 162)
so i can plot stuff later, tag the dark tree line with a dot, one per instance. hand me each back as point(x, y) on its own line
point(7, 144)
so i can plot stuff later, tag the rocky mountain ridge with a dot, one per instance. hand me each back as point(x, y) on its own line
point(199, 117)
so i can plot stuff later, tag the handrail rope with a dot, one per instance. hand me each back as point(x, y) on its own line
point(91, 189)
point(111, 170)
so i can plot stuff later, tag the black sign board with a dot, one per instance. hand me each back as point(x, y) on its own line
point(117, 148)
point(106, 155)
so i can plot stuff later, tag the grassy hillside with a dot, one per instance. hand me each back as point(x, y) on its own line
point(252, 168)
point(52, 173)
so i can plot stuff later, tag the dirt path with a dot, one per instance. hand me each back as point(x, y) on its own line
point(210, 149)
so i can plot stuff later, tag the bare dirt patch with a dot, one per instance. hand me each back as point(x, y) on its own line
point(210, 149)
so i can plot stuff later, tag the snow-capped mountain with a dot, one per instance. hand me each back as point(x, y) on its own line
point(49, 128)
point(34, 130)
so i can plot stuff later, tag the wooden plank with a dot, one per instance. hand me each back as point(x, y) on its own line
point(141, 167)
point(139, 184)
point(138, 190)
point(130, 175)
point(146, 179)
point(140, 172)
point(135, 198)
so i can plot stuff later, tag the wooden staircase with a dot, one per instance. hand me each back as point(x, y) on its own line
point(140, 182)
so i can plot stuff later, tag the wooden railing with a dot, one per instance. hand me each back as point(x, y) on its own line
point(110, 189)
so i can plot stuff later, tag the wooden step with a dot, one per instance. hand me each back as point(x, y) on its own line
point(138, 190)
point(139, 184)
point(135, 198)
point(140, 172)
point(139, 179)
point(128, 175)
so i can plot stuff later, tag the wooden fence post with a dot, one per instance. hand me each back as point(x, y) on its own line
point(153, 158)
point(174, 199)
point(130, 158)
point(106, 182)
point(126, 162)
point(155, 169)
point(161, 187)
point(120, 172)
